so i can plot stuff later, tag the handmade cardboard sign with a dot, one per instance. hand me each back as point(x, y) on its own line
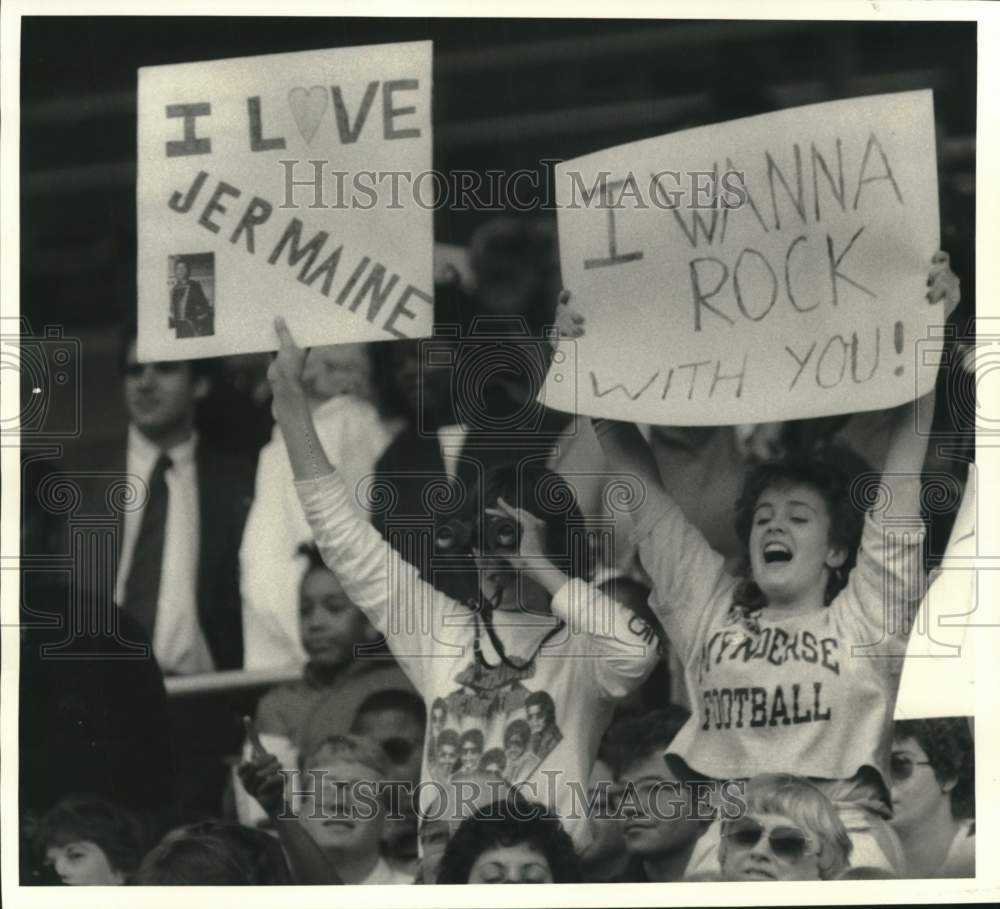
point(284, 184)
point(769, 268)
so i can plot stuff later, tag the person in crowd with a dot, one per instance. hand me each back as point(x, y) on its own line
point(510, 841)
point(604, 859)
point(338, 382)
point(478, 658)
point(471, 405)
point(789, 832)
point(768, 654)
point(349, 769)
point(513, 261)
point(660, 813)
point(89, 841)
point(178, 570)
point(215, 853)
point(345, 667)
point(395, 718)
point(456, 799)
point(191, 314)
point(933, 796)
point(341, 813)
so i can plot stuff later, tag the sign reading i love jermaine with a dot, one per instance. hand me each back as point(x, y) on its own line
point(259, 195)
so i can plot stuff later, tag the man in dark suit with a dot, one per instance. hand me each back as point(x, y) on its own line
point(178, 573)
point(191, 315)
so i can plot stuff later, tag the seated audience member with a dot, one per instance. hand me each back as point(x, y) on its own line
point(90, 841)
point(337, 381)
point(604, 858)
point(465, 792)
point(214, 853)
point(790, 832)
point(336, 680)
point(510, 841)
point(933, 796)
point(346, 816)
point(396, 719)
point(661, 818)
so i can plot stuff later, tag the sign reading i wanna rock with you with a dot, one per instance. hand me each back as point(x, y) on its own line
point(766, 269)
point(227, 241)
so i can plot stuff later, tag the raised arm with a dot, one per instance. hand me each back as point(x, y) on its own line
point(619, 658)
point(911, 424)
point(290, 408)
point(385, 586)
point(888, 583)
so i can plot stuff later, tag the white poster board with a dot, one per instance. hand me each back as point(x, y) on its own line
point(766, 269)
point(284, 184)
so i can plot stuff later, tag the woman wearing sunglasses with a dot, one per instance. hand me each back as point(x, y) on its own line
point(793, 665)
point(933, 796)
point(790, 832)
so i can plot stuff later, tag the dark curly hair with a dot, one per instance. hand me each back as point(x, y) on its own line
point(949, 746)
point(118, 832)
point(510, 821)
point(544, 494)
point(831, 473)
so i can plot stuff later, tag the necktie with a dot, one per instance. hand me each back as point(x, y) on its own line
point(142, 589)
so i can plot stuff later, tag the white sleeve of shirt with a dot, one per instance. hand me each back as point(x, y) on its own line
point(620, 659)
point(270, 568)
point(387, 588)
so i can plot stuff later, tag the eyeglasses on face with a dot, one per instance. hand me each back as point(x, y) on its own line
point(901, 767)
point(788, 843)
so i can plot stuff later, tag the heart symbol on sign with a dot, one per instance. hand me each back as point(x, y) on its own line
point(308, 107)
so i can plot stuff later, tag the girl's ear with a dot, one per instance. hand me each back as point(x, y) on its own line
point(948, 785)
point(836, 557)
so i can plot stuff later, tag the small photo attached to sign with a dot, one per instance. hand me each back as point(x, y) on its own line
point(770, 268)
point(288, 184)
point(191, 292)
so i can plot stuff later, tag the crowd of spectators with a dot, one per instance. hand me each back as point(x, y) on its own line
point(399, 751)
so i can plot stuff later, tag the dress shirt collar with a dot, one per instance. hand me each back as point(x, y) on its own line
point(145, 453)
